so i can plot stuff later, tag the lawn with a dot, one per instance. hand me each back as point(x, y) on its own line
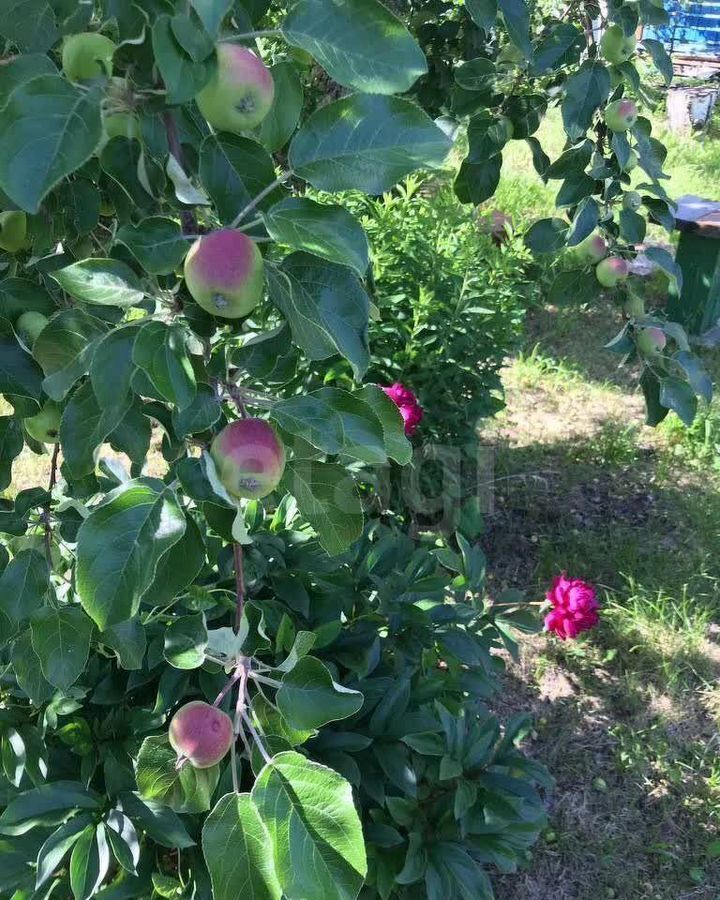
point(627, 720)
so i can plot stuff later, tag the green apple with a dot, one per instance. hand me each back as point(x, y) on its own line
point(611, 271)
point(621, 115)
point(225, 273)
point(13, 230)
point(87, 55)
point(631, 162)
point(107, 207)
point(45, 425)
point(632, 200)
point(634, 306)
point(650, 341)
point(616, 46)
point(249, 457)
point(239, 95)
point(592, 249)
point(120, 124)
point(29, 325)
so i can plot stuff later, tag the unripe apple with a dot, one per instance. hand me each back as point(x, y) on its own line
point(224, 272)
point(611, 271)
point(249, 457)
point(621, 115)
point(201, 733)
point(87, 55)
point(29, 325)
point(13, 230)
point(632, 200)
point(239, 95)
point(634, 306)
point(615, 46)
point(631, 162)
point(45, 425)
point(592, 249)
point(650, 341)
point(120, 124)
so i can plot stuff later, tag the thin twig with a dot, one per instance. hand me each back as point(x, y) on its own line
point(233, 767)
point(239, 585)
point(249, 35)
point(46, 512)
point(281, 179)
point(237, 674)
point(187, 216)
point(256, 737)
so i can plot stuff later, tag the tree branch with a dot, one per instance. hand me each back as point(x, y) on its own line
point(187, 216)
point(239, 585)
point(281, 179)
point(46, 512)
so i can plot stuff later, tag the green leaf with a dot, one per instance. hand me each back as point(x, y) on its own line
point(55, 848)
point(585, 90)
point(89, 862)
point(476, 74)
point(41, 804)
point(30, 24)
point(517, 22)
point(247, 870)
point(19, 373)
point(367, 142)
point(477, 182)
point(655, 411)
point(123, 840)
point(547, 235)
point(18, 295)
point(211, 13)
point(157, 820)
point(83, 427)
point(278, 125)
point(699, 379)
point(314, 829)
point(21, 70)
point(666, 261)
point(326, 307)
point(11, 445)
point(26, 667)
point(192, 37)
point(660, 57)
point(234, 171)
point(111, 372)
point(50, 128)
point(61, 640)
point(334, 421)
point(156, 243)
point(679, 396)
point(202, 413)
point(106, 282)
point(119, 545)
point(23, 587)
point(128, 641)
point(482, 12)
point(632, 226)
point(327, 497)
point(161, 352)
point(186, 641)
point(187, 790)
point(64, 349)
point(310, 698)
point(328, 231)
point(561, 47)
point(359, 43)
point(184, 78)
point(397, 446)
point(178, 567)
point(586, 219)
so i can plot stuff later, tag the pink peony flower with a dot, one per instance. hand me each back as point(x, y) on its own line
point(407, 403)
point(575, 607)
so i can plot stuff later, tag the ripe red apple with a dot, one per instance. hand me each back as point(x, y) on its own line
point(620, 115)
point(592, 249)
point(650, 341)
point(13, 230)
point(87, 55)
point(224, 271)
point(201, 733)
point(611, 271)
point(615, 46)
point(45, 425)
point(239, 95)
point(249, 457)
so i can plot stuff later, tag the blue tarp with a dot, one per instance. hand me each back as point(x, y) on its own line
point(694, 28)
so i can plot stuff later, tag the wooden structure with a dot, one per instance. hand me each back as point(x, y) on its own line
point(697, 306)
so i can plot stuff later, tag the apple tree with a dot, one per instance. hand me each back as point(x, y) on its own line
point(219, 679)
